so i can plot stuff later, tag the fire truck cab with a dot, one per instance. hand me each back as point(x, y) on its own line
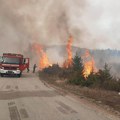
point(13, 64)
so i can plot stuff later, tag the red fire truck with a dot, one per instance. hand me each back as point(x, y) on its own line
point(13, 64)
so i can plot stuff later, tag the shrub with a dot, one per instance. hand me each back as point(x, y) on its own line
point(91, 80)
point(52, 70)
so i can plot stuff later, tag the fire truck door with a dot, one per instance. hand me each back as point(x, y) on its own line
point(26, 62)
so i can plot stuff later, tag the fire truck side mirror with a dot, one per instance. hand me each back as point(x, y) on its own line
point(1, 59)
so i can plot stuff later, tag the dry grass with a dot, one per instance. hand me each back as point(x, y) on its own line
point(109, 98)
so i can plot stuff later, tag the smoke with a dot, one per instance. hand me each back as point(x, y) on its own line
point(23, 22)
point(55, 56)
point(101, 19)
point(89, 21)
point(93, 24)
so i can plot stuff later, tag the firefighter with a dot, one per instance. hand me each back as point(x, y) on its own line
point(34, 67)
point(28, 70)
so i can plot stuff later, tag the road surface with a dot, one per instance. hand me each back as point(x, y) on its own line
point(27, 98)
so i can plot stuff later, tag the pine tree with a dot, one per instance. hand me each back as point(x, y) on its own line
point(104, 75)
point(78, 64)
point(78, 70)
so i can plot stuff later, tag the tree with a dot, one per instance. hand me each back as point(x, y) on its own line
point(78, 70)
point(104, 75)
point(78, 64)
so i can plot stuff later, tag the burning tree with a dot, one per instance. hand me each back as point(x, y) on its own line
point(44, 61)
point(89, 64)
point(68, 62)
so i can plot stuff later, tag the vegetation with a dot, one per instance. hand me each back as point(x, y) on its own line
point(74, 76)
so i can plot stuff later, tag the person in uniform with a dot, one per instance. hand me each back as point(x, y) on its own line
point(34, 67)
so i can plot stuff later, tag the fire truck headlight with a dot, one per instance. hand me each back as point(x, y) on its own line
point(2, 67)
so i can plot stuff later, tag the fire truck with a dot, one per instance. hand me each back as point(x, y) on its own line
point(13, 64)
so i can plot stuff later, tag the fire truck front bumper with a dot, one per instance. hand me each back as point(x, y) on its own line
point(2, 71)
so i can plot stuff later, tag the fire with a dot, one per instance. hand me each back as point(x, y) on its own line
point(44, 61)
point(68, 62)
point(89, 64)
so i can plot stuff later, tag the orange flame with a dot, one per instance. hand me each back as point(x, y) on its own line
point(68, 62)
point(89, 64)
point(44, 61)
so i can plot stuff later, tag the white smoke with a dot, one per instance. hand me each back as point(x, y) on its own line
point(102, 21)
point(93, 23)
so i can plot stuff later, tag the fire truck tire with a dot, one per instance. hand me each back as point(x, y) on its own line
point(19, 75)
point(2, 75)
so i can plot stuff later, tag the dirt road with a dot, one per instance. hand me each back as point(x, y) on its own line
point(27, 98)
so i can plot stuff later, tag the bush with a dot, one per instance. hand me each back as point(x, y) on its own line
point(91, 80)
point(112, 85)
point(76, 78)
point(53, 70)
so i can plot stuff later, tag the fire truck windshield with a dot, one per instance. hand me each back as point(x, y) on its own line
point(8, 60)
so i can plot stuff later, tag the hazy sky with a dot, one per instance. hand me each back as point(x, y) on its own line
point(93, 23)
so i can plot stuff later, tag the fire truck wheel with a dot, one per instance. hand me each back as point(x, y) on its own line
point(19, 75)
point(2, 75)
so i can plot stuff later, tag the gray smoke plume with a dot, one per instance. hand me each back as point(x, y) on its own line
point(93, 24)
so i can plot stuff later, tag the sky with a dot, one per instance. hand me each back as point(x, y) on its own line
point(94, 24)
